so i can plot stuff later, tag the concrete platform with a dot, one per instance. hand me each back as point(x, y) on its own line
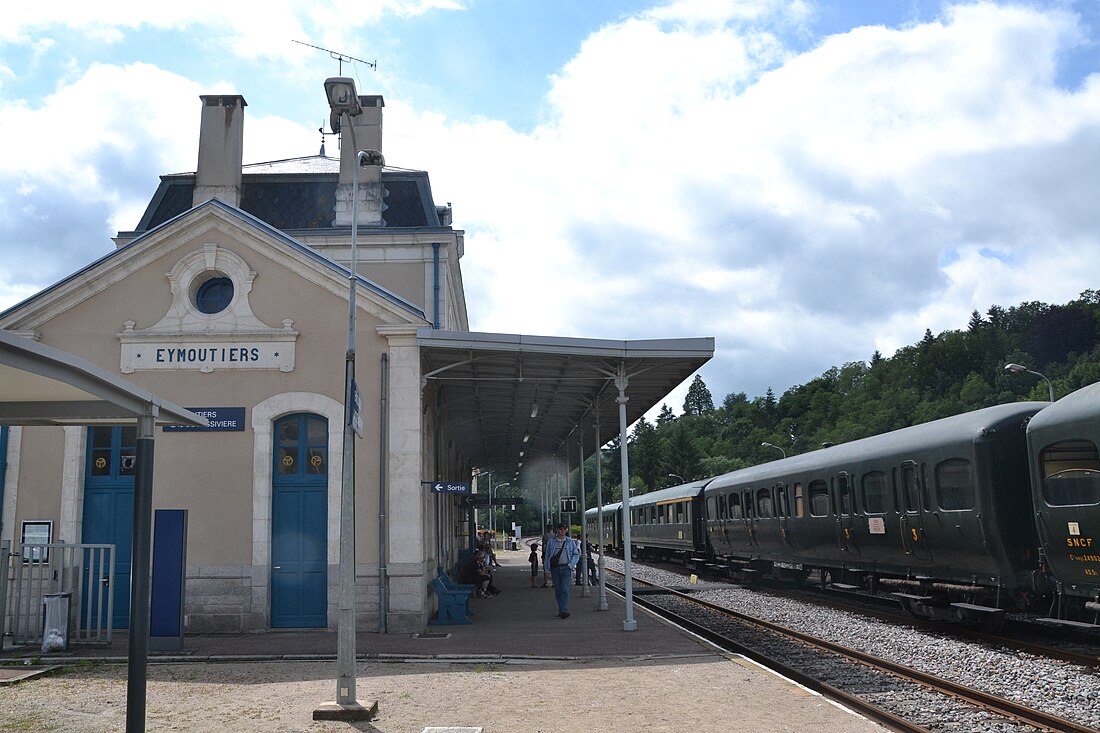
point(520, 622)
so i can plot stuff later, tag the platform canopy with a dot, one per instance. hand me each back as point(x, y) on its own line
point(41, 385)
point(514, 401)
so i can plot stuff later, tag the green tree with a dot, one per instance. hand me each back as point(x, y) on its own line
point(698, 400)
point(645, 455)
point(682, 455)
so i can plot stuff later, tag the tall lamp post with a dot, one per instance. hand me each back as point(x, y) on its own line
point(773, 445)
point(676, 475)
point(344, 102)
point(1020, 368)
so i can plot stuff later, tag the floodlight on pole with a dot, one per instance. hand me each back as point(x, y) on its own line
point(1020, 369)
point(344, 101)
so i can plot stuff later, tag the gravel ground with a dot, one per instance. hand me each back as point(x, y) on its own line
point(279, 697)
point(1064, 689)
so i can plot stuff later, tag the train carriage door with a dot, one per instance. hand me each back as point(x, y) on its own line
point(749, 513)
point(845, 513)
point(765, 512)
point(299, 523)
point(914, 505)
point(783, 511)
point(723, 537)
point(109, 509)
point(1068, 491)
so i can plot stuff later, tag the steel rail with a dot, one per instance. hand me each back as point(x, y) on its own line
point(978, 698)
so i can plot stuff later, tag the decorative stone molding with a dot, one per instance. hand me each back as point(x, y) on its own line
point(186, 338)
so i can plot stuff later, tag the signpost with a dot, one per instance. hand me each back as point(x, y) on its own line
point(568, 505)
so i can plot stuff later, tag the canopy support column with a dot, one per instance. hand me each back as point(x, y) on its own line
point(140, 581)
point(621, 382)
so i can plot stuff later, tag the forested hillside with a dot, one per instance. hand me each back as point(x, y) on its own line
point(945, 374)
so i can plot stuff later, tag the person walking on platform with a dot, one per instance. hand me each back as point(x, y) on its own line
point(561, 555)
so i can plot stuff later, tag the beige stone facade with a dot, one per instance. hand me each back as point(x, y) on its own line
point(275, 348)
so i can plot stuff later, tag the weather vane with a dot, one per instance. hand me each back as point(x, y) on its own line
point(340, 57)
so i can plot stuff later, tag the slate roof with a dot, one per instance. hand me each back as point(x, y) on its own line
point(300, 194)
point(246, 219)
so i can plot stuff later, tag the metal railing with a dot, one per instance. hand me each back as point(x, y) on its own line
point(30, 572)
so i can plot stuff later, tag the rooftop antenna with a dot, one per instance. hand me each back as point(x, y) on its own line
point(340, 57)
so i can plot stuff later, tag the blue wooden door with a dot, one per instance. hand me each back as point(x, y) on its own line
point(299, 523)
point(109, 509)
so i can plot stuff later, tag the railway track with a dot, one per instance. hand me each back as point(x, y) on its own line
point(1072, 649)
point(898, 697)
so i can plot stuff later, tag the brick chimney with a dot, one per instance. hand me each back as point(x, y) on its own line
point(367, 128)
point(221, 149)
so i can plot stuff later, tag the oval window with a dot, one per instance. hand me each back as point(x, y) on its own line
point(214, 295)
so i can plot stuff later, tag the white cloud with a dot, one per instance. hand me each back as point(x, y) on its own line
point(802, 209)
point(694, 175)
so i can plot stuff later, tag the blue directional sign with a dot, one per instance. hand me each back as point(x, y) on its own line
point(217, 419)
point(450, 487)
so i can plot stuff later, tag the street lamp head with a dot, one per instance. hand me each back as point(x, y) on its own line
point(766, 444)
point(1015, 368)
point(342, 99)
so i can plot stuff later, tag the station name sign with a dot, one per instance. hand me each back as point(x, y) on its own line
point(218, 419)
point(205, 356)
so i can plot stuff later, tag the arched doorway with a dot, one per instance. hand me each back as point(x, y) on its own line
point(299, 522)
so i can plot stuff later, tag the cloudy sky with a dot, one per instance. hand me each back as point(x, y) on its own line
point(805, 181)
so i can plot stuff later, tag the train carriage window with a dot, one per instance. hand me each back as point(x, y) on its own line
point(1071, 473)
point(747, 504)
point(799, 501)
point(722, 514)
point(874, 492)
point(712, 507)
point(955, 484)
point(764, 503)
point(819, 498)
point(735, 506)
point(680, 512)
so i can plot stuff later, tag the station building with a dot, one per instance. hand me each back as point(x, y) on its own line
point(231, 298)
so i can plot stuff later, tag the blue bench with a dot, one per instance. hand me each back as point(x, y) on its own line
point(453, 585)
point(454, 603)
